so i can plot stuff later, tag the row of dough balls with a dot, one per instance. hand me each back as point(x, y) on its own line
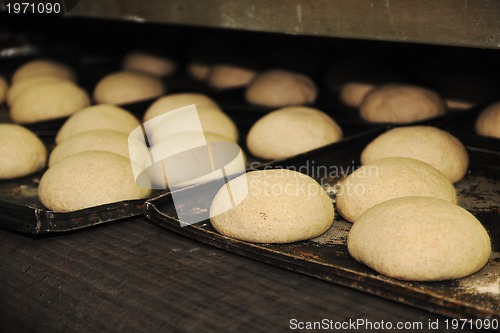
point(269, 88)
point(90, 165)
point(42, 90)
point(104, 128)
point(404, 209)
point(407, 224)
point(45, 89)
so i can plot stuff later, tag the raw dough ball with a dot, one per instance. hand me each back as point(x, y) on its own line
point(211, 117)
point(353, 93)
point(101, 140)
point(16, 89)
point(43, 68)
point(390, 178)
point(277, 88)
point(127, 87)
point(198, 70)
point(420, 239)
point(225, 76)
point(361, 81)
point(3, 89)
point(98, 117)
point(182, 142)
point(488, 122)
point(212, 121)
point(179, 100)
point(149, 64)
point(23, 153)
point(425, 143)
point(398, 103)
point(48, 101)
point(290, 131)
point(281, 206)
point(87, 179)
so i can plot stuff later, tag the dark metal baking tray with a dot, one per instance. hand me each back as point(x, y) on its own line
point(326, 257)
point(21, 210)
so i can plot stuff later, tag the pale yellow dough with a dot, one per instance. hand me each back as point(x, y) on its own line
point(281, 206)
point(390, 178)
point(290, 131)
point(88, 179)
point(22, 152)
point(420, 239)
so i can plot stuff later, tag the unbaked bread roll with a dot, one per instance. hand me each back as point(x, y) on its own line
point(149, 63)
point(100, 140)
point(361, 81)
point(16, 89)
point(23, 153)
point(390, 178)
point(198, 70)
point(50, 100)
point(278, 88)
point(290, 131)
point(4, 87)
point(87, 179)
point(43, 68)
point(428, 144)
point(488, 122)
point(98, 117)
point(281, 206)
point(127, 87)
point(226, 76)
point(400, 104)
point(211, 117)
point(182, 143)
point(419, 239)
point(211, 120)
point(179, 100)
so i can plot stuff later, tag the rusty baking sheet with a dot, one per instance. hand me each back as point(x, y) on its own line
point(326, 257)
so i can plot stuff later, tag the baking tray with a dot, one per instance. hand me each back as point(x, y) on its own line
point(326, 257)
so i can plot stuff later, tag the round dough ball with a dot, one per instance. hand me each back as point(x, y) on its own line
point(23, 153)
point(224, 76)
point(281, 206)
point(48, 101)
point(278, 88)
point(212, 121)
point(211, 117)
point(100, 140)
point(179, 100)
point(400, 104)
point(290, 131)
point(198, 70)
point(16, 89)
point(428, 144)
point(182, 142)
point(390, 178)
point(3, 89)
point(98, 117)
point(45, 68)
point(420, 239)
point(88, 179)
point(488, 122)
point(149, 64)
point(353, 93)
point(127, 87)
